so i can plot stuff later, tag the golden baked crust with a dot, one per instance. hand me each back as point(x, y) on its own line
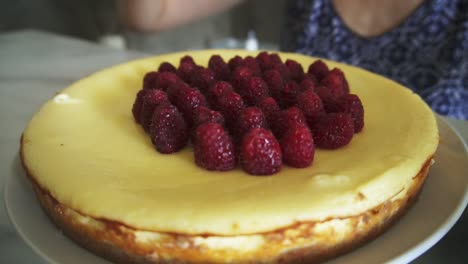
point(305, 242)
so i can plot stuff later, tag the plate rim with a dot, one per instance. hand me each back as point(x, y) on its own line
point(24, 237)
point(445, 227)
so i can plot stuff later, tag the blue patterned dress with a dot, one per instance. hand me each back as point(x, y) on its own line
point(428, 52)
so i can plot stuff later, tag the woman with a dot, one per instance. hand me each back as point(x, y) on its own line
point(422, 44)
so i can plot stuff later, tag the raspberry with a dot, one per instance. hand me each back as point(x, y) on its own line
point(329, 96)
point(275, 58)
point(275, 81)
point(319, 69)
point(260, 152)
point(283, 70)
point(311, 77)
point(165, 79)
point(317, 100)
point(307, 84)
point(187, 59)
point(288, 118)
point(219, 88)
point(335, 80)
point(270, 109)
point(151, 100)
point(188, 101)
point(230, 104)
point(295, 69)
point(203, 79)
point(298, 147)
point(264, 61)
point(215, 92)
point(289, 94)
point(346, 85)
point(167, 67)
point(214, 149)
point(203, 114)
point(351, 104)
point(174, 91)
point(149, 81)
point(252, 64)
point(186, 70)
point(249, 118)
point(345, 82)
point(137, 105)
point(241, 74)
point(235, 62)
point(333, 131)
point(254, 91)
point(220, 68)
point(168, 131)
point(311, 106)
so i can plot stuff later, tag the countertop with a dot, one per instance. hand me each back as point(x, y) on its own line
point(35, 65)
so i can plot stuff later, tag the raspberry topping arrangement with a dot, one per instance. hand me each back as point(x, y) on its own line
point(255, 112)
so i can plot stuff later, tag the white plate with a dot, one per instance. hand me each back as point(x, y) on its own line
point(440, 204)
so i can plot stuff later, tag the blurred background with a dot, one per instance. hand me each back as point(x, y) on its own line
point(97, 21)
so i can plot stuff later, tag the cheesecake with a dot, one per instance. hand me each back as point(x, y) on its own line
point(96, 174)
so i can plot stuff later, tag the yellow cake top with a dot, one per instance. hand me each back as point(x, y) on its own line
point(85, 148)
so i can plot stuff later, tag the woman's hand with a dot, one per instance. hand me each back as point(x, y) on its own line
point(160, 15)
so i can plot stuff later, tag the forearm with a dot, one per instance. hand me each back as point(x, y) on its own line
point(160, 15)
